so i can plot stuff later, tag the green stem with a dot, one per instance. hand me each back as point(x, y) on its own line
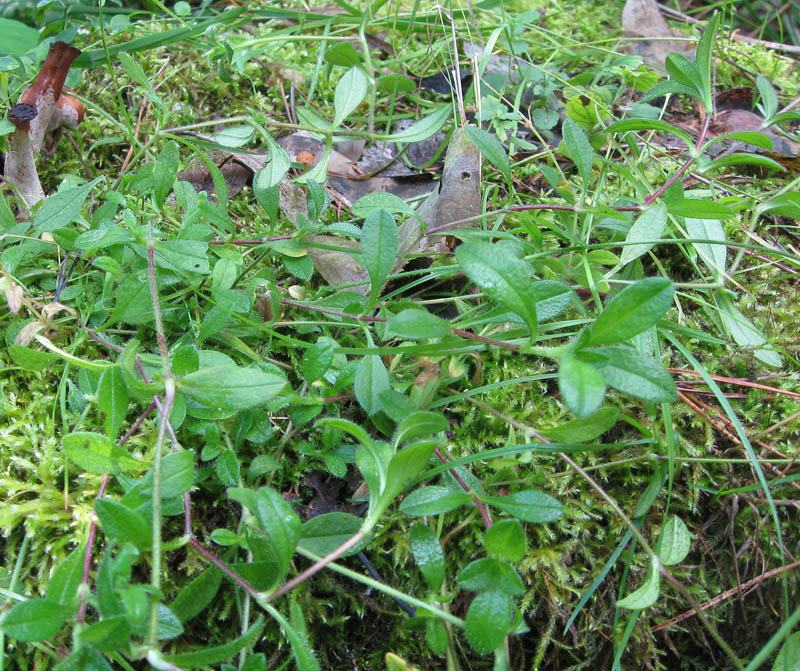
point(12, 586)
point(386, 589)
point(169, 397)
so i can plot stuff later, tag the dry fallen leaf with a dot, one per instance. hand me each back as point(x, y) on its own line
point(642, 18)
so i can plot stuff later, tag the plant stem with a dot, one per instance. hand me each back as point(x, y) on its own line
point(321, 563)
point(386, 589)
point(169, 397)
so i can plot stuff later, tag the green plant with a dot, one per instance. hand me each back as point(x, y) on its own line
point(244, 372)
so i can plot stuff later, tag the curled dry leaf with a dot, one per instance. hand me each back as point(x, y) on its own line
point(457, 198)
point(642, 18)
point(25, 336)
point(14, 296)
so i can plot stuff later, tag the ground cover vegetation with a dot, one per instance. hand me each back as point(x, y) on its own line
point(519, 393)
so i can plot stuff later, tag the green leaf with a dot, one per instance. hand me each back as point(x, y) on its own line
point(488, 621)
point(417, 424)
point(436, 636)
point(275, 518)
point(635, 309)
point(134, 71)
point(343, 54)
point(714, 256)
point(95, 453)
point(700, 209)
point(429, 555)
point(489, 573)
point(395, 82)
point(584, 429)
point(349, 93)
point(644, 233)
point(107, 600)
point(303, 654)
point(108, 635)
point(704, 62)
point(371, 379)
point(636, 374)
point(581, 385)
point(112, 399)
point(422, 129)
point(234, 136)
point(784, 204)
point(379, 241)
point(769, 99)
point(63, 584)
point(317, 359)
point(380, 200)
point(404, 466)
point(62, 208)
point(749, 136)
point(31, 359)
point(231, 387)
point(650, 124)
point(182, 256)
point(675, 541)
point(274, 171)
point(224, 274)
point(199, 593)
point(16, 38)
point(506, 539)
point(83, 659)
point(502, 276)
point(489, 146)
point(165, 171)
point(788, 657)
point(133, 304)
point(663, 88)
point(137, 607)
point(227, 468)
point(324, 533)
point(433, 501)
point(647, 594)
point(185, 360)
point(122, 524)
point(529, 505)
point(745, 333)
point(214, 655)
point(684, 72)
point(742, 158)
point(177, 474)
point(417, 324)
point(257, 662)
point(34, 620)
point(579, 149)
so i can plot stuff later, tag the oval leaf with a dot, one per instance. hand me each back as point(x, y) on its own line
point(637, 374)
point(95, 453)
point(34, 620)
point(502, 276)
point(675, 541)
point(489, 147)
point(647, 594)
point(428, 554)
point(488, 621)
point(230, 387)
point(433, 501)
point(644, 233)
point(529, 505)
point(581, 385)
point(635, 309)
point(350, 91)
